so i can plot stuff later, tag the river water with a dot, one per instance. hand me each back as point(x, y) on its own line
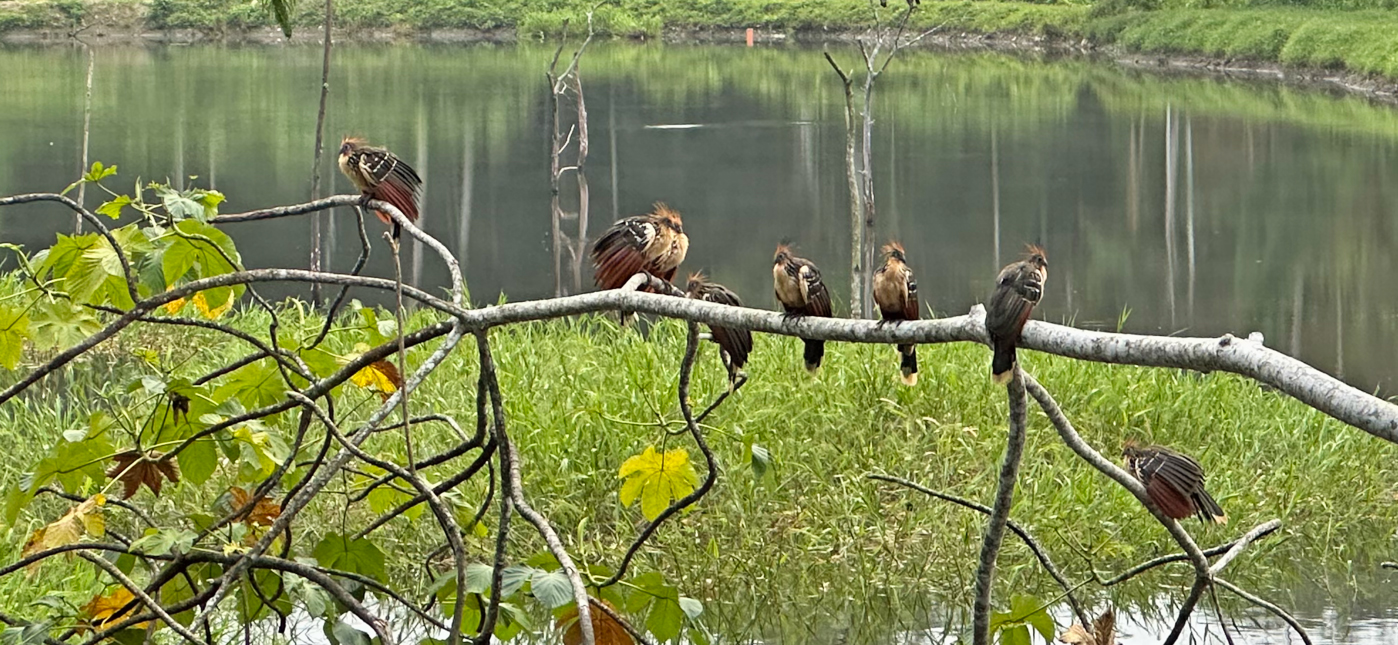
point(1168, 205)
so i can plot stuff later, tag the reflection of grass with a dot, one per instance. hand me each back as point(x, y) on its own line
point(814, 531)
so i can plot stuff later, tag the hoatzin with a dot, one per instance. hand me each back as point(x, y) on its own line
point(734, 344)
point(1174, 481)
point(380, 174)
point(654, 243)
point(799, 289)
point(895, 292)
point(1017, 289)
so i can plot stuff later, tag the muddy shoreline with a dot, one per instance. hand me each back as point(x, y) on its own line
point(1335, 80)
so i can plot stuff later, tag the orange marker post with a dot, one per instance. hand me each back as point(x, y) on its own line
point(749, 36)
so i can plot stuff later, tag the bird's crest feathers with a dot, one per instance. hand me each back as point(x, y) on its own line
point(895, 250)
point(664, 212)
point(1036, 254)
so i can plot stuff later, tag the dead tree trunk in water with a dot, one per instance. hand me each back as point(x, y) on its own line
point(859, 170)
point(559, 85)
point(320, 144)
point(87, 131)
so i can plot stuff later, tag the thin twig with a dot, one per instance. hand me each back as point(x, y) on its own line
point(1014, 527)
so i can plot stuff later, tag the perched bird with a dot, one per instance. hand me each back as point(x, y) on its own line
point(734, 344)
point(799, 289)
point(380, 174)
point(1174, 481)
point(895, 292)
point(654, 243)
point(1017, 289)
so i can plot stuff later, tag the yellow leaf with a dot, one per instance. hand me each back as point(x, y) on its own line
point(83, 519)
point(656, 479)
point(174, 306)
point(213, 313)
point(379, 376)
point(104, 609)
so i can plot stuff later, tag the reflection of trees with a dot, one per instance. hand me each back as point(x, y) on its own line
point(1276, 182)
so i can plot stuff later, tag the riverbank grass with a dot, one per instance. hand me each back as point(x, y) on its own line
point(583, 395)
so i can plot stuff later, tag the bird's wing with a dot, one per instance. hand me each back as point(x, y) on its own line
point(620, 252)
point(911, 309)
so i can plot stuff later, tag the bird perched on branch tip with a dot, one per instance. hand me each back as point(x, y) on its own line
point(895, 292)
point(1174, 481)
point(381, 175)
point(801, 293)
point(734, 343)
point(1018, 288)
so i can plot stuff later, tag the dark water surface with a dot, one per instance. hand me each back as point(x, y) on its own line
point(1199, 206)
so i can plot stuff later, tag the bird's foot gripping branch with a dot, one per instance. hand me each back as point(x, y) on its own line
point(306, 421)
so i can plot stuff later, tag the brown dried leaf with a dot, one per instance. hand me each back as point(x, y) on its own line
point(109, 608)
point(605, 629)
point(1103, 631)
point(263, 513)
point(133, 468)
point(1076, 635)
point(85, 518)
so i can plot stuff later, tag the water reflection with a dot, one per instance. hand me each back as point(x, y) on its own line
point(1273, 204)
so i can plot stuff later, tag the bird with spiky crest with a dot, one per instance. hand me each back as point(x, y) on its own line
point(895, 292)
point(1174, 481)
point(381, 175)
point(801, 293)
point(1018, 289)
point(654, 243)
point(734, 343)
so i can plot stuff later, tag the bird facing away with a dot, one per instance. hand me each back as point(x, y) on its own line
point(1174, 481)
point(734, 344)
point(654, 243)
point(380, 174)
point(801, 293)
point(1018, 289)
point(895, 292)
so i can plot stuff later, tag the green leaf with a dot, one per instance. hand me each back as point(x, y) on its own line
point(98, 172)
point(255, 385)
point(477, 577)
point(761, 461)
point(78, 461)
point(198, 462)
point(179, 205)
point(1017, 635)
point(16, 498)
point(259, 452)
point(346, 634)
point(59, 324)
point(249, 605)
point(159, 542)
point(14, 329)
point(512, 579)
point(692, 608)
point(31, 634)
point(666, 616)
point(1033, 611)
point(551, 588)
point(354, 555)
point(656, 479)
point(113, 208)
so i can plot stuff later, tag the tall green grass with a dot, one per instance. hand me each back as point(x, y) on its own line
point(582, 395)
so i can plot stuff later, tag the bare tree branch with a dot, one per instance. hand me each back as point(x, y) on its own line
point(1000, 512)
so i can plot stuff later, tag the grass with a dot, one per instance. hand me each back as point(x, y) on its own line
point(813, 537)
